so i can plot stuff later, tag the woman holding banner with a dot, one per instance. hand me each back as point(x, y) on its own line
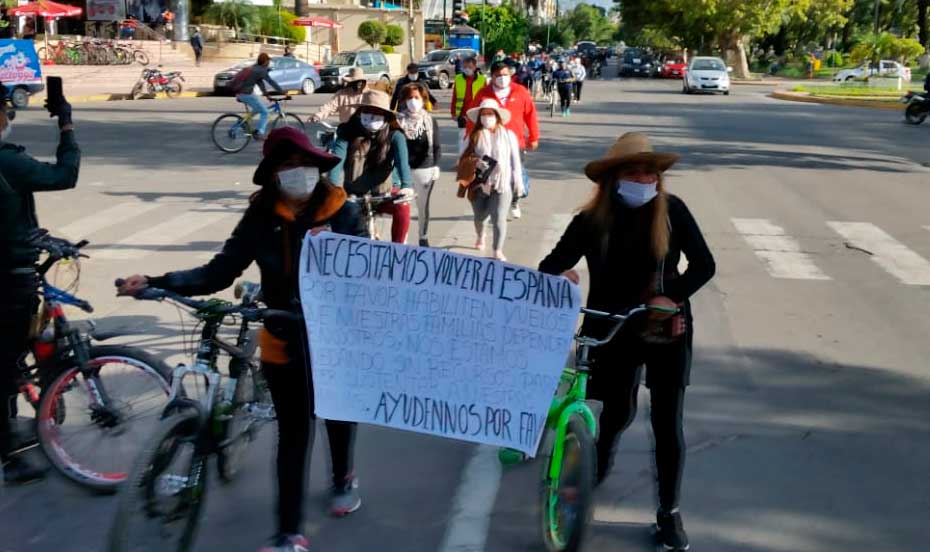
point(632, 234)
point(293, 200)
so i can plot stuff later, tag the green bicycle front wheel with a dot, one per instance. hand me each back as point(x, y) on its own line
point(230, 133)
point(566, 499)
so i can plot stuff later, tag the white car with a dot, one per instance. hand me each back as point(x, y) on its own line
point(885, 68)
point(707, 74)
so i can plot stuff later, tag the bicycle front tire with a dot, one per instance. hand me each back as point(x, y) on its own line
point(566, 501)
point(230, 134)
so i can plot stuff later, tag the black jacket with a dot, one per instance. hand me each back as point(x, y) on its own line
point(20, 177)
point(625, 277)
point(419, 152)
point(399, 85)
point(267, 238)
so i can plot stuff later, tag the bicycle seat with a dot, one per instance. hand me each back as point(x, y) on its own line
point(274, 98)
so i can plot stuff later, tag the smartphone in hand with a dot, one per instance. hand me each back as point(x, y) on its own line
point(55, 96)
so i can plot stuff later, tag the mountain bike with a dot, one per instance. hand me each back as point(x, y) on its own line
point(232, 132)
point(568, 447)
point(159, 507)
point(372, 205)
point(94, 400)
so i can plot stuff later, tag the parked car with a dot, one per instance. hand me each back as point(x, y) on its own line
point(673, 68)
point(637, 63)
point(437, 69)
point(372, 62)
point(707, 74)
point(884, 68)
point(290, 73)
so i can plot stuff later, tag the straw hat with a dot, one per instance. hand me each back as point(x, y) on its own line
point(473, 113)
point(378, 100)
point(355, 75)
point(632, 147)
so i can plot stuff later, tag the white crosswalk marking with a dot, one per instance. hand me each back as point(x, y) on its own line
point(111, 216)
point(142, 243)
point(780, 253)
point(893, 256)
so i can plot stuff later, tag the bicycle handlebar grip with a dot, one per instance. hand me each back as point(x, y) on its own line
point(119, 282)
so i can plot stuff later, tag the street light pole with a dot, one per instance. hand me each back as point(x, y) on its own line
point(878, 5)
point(484, 4)
point(411, 33)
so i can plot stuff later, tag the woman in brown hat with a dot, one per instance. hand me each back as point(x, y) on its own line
point(293, 199)
point(632, 234)
point(370, 146)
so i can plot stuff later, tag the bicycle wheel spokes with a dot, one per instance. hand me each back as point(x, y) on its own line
point(230, 134)
point(91, 442)
point(566, 504)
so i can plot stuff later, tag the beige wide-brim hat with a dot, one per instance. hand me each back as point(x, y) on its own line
point(378, 100)
point(631, 148)
point(474, 112)
point(355, 75)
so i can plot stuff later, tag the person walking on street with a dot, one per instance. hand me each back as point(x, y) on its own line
point(524, 121)
point(21, 176)
point(345, 101)
point(580, 74)
point(423, 148)
point(197, 45)
point(251, 88)
point(293, 199)
point(564, 82)
point(632, 235)
point(413, 75)
point(287, 51)
point(467, 84)
point(490, 198)
point(370, 147)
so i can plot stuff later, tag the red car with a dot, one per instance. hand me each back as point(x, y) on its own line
point(673, 69)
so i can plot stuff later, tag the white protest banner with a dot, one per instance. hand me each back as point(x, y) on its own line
point(434, 342)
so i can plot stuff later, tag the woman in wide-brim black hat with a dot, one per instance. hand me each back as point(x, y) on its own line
point(632, 234)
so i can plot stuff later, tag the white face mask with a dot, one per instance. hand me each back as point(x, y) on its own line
point(468, 72)
point(502, 81)
point(5, 133)
point(635, 194)
point(298, 183)
point(371, 122)
point(413, 77)
point(488, 121)
point(414, 105)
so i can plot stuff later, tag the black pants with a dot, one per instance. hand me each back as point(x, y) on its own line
point(198, 55)
point(565, 96)
point(292, 393)
point(615, 381)
point(577, 87)
point(18, 302)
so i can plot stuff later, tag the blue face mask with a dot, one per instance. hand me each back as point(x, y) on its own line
point(635, 194)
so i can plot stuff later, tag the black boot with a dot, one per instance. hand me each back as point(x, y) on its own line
point(17, 470)
point(670, 531)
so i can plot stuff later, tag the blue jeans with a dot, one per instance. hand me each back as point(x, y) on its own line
point(256, 106)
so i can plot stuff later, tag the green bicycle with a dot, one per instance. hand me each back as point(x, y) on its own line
point(568, 447)
point(232, 132)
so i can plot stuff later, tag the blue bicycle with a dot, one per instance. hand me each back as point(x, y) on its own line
point(232, 132)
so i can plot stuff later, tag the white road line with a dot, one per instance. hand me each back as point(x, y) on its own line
point(780, 253)
point(467, 530)
point(890, 254)
point(111, 216)
point(167, 233)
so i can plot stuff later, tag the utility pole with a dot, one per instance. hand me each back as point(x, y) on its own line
point(484, 4)
point(878, 6)
point(411, 33)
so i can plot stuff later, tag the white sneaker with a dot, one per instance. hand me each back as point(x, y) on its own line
point(499, 255)
point(515, 211)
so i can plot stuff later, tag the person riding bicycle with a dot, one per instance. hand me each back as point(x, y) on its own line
point(371, 147)
point(345, 101)
point(293, 199)
point(632, 234)
point(20, 177)
point(251, 86)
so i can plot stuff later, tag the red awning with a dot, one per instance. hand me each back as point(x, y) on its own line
point(46, 8)
point(319, 22)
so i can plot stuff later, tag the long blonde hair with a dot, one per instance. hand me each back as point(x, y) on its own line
point(600, 213)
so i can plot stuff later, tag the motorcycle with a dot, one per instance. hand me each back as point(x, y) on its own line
point(153, 81)
point(918, 107)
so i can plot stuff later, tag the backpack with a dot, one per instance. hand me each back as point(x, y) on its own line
point(238, 82)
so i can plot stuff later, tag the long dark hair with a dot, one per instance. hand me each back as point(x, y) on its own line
point(380, 142)
point(600, 212)
point(475, 130)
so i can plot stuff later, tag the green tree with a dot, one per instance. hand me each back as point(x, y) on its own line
point(235, 14)
point(372, 32)
point(394, 35)
point(504, 27)
point(588, 22)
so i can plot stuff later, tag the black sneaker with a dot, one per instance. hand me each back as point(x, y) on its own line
point(670, 532)
point(424, 242)
point(19, 471)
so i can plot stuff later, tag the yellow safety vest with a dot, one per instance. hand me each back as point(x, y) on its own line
point(460, 89)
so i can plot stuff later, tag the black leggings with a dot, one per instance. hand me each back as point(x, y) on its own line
point(565, 95)
point(615, 381)
point(293, 402)
point(578, 85)
point(18, 302)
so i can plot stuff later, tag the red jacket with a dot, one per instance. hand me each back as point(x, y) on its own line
point(523, 119)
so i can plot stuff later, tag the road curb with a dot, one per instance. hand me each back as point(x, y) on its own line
point(804, 97)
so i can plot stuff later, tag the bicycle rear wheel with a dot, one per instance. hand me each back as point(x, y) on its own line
point(94, 443)
point(140, 57)
point(159, 508)
point(566, 499)
point(230, 133)
point(290, 120)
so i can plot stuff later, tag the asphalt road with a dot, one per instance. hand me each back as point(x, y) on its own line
point(807, 415)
